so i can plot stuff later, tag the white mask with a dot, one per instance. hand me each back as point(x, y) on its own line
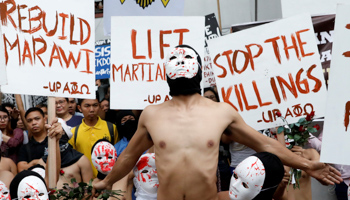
point(40, 171)
point(146, 173)
point(4, 192)
point(247, 179)
point(181, 62)
point(32, 188)
point(103, 157)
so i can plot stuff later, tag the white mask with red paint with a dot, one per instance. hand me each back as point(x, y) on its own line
point(247, 179)
point(181, 62)
point(32, 188)
point(103, 157)
point(145, 173)
point(4, 192)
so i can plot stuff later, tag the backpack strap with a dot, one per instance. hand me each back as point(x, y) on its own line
point(111, 131)
point(76, 135)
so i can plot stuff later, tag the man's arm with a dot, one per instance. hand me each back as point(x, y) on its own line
point(244, 134)
point(139, 143)
point(23, 165)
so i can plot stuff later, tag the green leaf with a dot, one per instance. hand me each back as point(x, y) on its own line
point(71, 194)
point(312, 130)
point(73, 180)
point(290, 136)
point(287, 131)
point(280, 129)
point(297, 137)
point(301, 120)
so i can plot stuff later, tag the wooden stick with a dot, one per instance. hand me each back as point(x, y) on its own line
point(219, 13)
point(52, 145)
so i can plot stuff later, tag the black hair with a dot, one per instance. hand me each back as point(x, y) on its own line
point(32, 109)
point(8, 105)
point(212, 90)
point(80, 101)
point(3, 109)
point(41, 105)
point(104, 99)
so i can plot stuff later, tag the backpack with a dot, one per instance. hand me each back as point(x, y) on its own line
point(110, 129)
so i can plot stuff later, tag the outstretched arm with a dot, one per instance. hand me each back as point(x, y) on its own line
point(139, 143)
point(244, 134)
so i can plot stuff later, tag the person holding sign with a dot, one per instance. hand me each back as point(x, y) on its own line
point(186, 132)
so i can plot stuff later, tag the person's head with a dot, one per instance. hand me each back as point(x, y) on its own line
point(43, 107)
point(28, 185)
point(4, 119)
point(145, 172)
point(36, 120)
point(104, 104)
point(89, 108)
point(256, 177)
point(9, 107)
point(61, 106)
point(126, 124)
point(103, 156)
point(183, 70)
point(72, 105)
point(4, 192)
point(211, 94)
point(20, 123)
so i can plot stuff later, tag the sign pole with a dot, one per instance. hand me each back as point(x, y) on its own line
point(52, 145)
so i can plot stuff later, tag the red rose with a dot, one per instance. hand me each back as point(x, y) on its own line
point(308, 118)
point(301, 129)
point(52, 192)
point(317, 127)
point(278, 114)
point(312, 114)
point(61, 172)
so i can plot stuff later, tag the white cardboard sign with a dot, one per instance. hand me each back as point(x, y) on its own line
point(49, 47)
point(336, 131)
point(270, 68)
point(3, 76)
point(139, 48)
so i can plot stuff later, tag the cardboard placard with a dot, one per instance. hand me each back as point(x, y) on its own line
point(270, 68)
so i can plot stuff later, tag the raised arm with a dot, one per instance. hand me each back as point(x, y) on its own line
point(244, 134)
point(139, 143)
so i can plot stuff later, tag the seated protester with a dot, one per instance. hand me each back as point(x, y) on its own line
point(126, 125)
point(12, 140)
point(256, 177)
point(63, 113)
point(72, 107)
point(75, 164)
point(146, 178)
point(28, 185)
point(13, 113)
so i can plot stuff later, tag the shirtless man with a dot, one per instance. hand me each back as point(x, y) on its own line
point(186, 132)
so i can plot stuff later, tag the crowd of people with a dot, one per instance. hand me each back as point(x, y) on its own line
point(190, 147)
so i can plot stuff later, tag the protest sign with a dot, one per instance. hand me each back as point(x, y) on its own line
point(270, 68)
point(140, 8)
point(313, 7)
point(102, 61)
point(49, 47)
point(3, 76)
point(212, 30)
point(336, 131)
point(324, 29)
point(139, 48)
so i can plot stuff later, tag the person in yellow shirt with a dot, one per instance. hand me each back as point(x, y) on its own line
point(91, 129)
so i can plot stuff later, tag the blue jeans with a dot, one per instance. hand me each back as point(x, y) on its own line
point(341, 191)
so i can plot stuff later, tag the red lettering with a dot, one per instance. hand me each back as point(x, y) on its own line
point(36, 18)
point(27, 53)
point(115, 69)
point(261, 104)
point(64, 16)
point(41, 50)
point(161, 42)
point(294, 46)
point(56, 56)
point(87, 53)
point(181, 32)
point(347, 113)
point(303, 82)
point(247, 106)
point(251, 55)
point(133, 44)
point(70, 58)
point(82, 40)
point(53, 31)
point(290, 87)
point(301, 43)
point(275, 47)
point(229, 62)
point(223, 75)
point(226, 96)
point(318, 83)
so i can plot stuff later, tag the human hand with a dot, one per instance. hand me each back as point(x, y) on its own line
point(97, 187)
point(298, 150)
point(15, 113)
point(324, 173)
point(286, 177)
point(54, 129)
